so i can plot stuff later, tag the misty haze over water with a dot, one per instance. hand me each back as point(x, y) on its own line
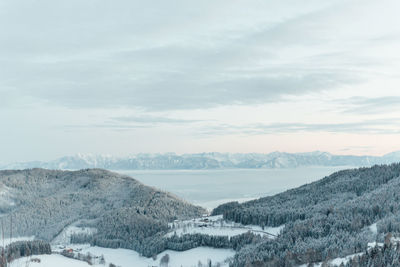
point(209, 188)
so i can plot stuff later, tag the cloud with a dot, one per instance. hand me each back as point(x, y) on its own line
point(150, 120)
point(358, 148)
point(387, 126)
point(166, 57)
point(99, 74)
point(368, 106)
point(126, 123)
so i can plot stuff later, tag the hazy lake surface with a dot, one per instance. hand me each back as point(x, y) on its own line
point(209, 188)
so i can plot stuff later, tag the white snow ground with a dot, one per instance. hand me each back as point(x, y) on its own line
point(129, 258)
point(53, 260)
point(373, 228)
point(188, 258)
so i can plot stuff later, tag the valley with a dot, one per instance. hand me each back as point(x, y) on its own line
point(113, 218)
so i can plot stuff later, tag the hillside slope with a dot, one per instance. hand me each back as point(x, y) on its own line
point(123, 211)
point(330, 218)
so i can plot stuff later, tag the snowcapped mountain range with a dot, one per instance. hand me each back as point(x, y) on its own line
point(213, 160)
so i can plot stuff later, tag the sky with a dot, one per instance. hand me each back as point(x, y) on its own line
point(124, 77)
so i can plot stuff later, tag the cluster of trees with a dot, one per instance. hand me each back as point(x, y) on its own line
point(188, 241)
point(20, 249)
point(158, 242)
point(388, 255)
point(88, 257)
point(225, 208)
point(323, 220)
point(123, 229)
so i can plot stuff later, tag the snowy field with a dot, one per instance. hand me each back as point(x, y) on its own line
point(216, 225)
point(65, 236)
point(125, 257)
point(48, 261)
point(210, 188)
point(120, 257)
point(129, 258)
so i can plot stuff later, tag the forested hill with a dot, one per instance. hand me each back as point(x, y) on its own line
point(325, 219)
point(123, 211)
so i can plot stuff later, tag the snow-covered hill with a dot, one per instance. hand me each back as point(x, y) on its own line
point(44, 202)
point(214, 160)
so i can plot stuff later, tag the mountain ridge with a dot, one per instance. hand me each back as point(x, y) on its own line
point(209, 160)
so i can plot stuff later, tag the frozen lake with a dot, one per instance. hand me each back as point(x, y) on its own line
point(209, 188)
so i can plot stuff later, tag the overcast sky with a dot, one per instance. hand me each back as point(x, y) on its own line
point(123, 77)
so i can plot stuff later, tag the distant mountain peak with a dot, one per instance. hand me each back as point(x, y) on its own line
point(207, 160)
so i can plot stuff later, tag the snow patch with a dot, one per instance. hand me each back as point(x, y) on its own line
point(53, 260)
point(374, 244)
point(6, 197)
point(64, 237)
point(373, 228)
point(336, 261)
